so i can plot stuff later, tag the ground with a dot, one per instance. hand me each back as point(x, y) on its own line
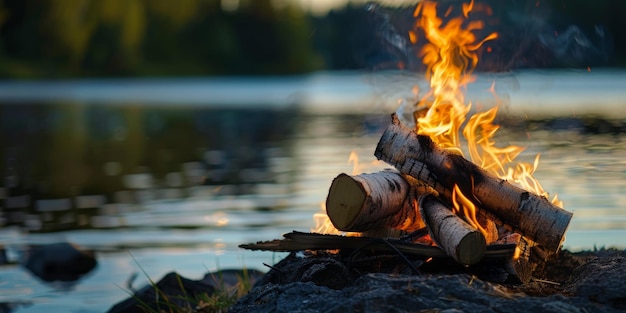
point(589, 281)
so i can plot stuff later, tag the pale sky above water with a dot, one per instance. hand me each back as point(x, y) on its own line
point(318, 7)
point(321, 7)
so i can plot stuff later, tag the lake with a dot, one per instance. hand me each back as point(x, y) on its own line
point(160, 175)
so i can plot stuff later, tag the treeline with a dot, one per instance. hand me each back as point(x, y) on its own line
point(83, 38)
point(51, 38)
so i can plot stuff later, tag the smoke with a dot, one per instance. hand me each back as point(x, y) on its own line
point(389, 48)
point(530, 36)
point(574, 48)
point(537, 37)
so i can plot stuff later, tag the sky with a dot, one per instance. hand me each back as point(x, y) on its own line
point(317, 7)
point(321, 7)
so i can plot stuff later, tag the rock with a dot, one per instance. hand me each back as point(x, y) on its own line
point(181, 292)
point(228, 279)
point(176, 287)
point(559, 307)
point(601, 279)
point(14, 306)
point(59, 261)
point(379, 292)
point(286, 289)
point(328, 271)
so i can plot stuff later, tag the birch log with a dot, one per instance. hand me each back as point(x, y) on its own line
point(416, 155)
point(458, 239)
point(385, 199)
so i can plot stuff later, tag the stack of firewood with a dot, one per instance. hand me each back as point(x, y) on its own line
point(422, 193)
point(427, 191)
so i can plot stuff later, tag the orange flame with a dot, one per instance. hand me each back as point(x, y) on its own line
point(354, 159)
point(323, 225)
point(463, 206)
point(450, 56)
point(357, 166)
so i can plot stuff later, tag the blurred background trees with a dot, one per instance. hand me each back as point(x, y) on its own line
point(86, 38)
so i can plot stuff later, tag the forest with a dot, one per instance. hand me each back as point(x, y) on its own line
point(48, 39)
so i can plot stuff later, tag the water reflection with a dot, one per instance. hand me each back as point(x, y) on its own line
point(71, 165)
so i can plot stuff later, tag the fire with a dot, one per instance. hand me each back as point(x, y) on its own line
point(322, 222)
point(466, 208)
point(323, 225)
point(450, 56)
point(359, 167)
point(354, 158)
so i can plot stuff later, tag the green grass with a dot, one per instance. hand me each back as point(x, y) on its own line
point(216, 302)
point(224, 297)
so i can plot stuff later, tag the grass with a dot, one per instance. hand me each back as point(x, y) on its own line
point(224, 296)
point(218, 301)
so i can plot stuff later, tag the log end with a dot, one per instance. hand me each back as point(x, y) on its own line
point(471, 248)
point(464, 243)
point(344, 202)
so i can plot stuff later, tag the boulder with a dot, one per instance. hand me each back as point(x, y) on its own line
point(59, 261)
point(174, 291)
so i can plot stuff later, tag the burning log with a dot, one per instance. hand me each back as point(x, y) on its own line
point(462, 242)
point(366, 202)
point(379, 204)
point(416, 155)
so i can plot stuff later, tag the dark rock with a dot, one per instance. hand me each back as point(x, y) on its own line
point(59, 261)
point(177, 288)
point(559, 289)
point(12, 306)
point(404, 293)
point(601, 280)
point(327, 271)
point(175, 291)
point(228, 279)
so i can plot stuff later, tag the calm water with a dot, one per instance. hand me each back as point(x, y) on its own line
point(167, 176)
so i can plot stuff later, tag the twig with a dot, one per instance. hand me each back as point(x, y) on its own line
point(546, 281)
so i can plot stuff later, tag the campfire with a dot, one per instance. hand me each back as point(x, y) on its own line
point(453, 194)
